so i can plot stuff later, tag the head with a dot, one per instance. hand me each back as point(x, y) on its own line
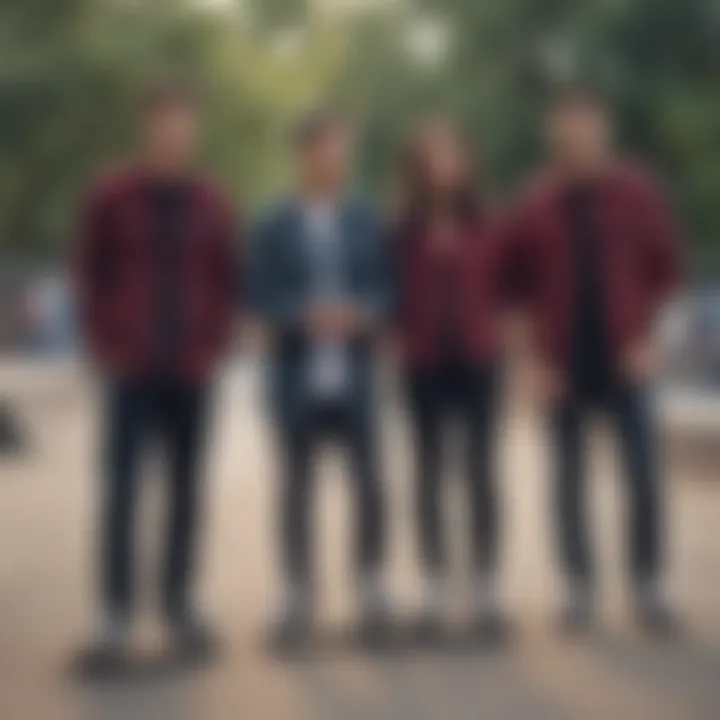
point(579, 128)
point(171, 126)
point(322, 146)
point(436, 171)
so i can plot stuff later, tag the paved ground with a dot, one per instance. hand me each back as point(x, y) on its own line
point(47, 552)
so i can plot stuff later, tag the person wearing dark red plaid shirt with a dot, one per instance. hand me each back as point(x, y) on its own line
point(598, 256)
point(156, 279)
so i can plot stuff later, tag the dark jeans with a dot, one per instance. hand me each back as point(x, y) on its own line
point(435, 397)
point(139, 411)
point(628, 410)
point(299, 445)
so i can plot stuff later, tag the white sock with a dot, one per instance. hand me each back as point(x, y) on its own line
point(296, 601)
point(650, 593)
point(579, 595)
point(372, 591)
point(434, 593)
point(114, 628)
point(485, 594)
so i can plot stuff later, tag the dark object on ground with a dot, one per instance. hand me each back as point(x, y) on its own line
point(12, 441)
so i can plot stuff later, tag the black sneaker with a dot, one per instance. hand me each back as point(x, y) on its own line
point(192, 635)
point(290, 634)
point(489, 627)
point(375, 629)
point(578, 615)
point(108, 652)
point(658, 620)
point(428, 629)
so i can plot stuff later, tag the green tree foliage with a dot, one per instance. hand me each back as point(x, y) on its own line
point(70, 75)
point(70, 72)
point(659, 61)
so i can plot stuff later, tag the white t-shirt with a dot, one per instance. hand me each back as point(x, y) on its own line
point(327, 372)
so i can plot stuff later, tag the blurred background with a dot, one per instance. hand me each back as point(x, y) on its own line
point(70, 74)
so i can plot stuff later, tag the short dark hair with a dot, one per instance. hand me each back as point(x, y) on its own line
point(571, 96)
point(169, 93)
point(315, 125)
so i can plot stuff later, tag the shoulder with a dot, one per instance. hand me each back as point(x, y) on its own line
point(638, 181)
point(539, 190)
point(490, 228)
point(368, 224)
point(215, 198)
point(111, 186)
point(401, 230)
point(363, 210)
point(531, 201)
point(273, 216)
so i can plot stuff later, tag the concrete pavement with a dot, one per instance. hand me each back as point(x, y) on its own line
point(47, 553)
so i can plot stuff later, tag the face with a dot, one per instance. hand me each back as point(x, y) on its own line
point(445, 162)
point(326, 163)
point(172, 134)
point(579, 134)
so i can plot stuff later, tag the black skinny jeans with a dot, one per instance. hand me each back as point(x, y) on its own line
point(470, 394)
point(299, 445)
point(628, 409)
point(139, 411)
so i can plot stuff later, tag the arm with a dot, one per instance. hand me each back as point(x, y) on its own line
point(272, 303)
point(516, 271)
point(517, 291)
point(376, 299)
point(91, 268)
point(660, 264)
point(396, 248)
point(228, 265)
point(661, 249)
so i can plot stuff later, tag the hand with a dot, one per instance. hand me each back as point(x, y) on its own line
point(334, 321)
point(391, 344)
point(515, 333)
point(317, 321)
point(639, 362)
point(547, 386)
point(349, 319)
point(251, 333)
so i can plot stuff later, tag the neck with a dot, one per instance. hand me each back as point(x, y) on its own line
point(446, 211)
point(320, 192)
point(443, 206)
point(583, 169)
point(165, 168)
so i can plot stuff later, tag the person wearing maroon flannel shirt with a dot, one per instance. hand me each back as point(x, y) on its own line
point(597, 257)
point(451, 302)
point(156, 280)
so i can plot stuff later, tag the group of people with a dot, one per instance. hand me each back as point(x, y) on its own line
point(586, 257)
